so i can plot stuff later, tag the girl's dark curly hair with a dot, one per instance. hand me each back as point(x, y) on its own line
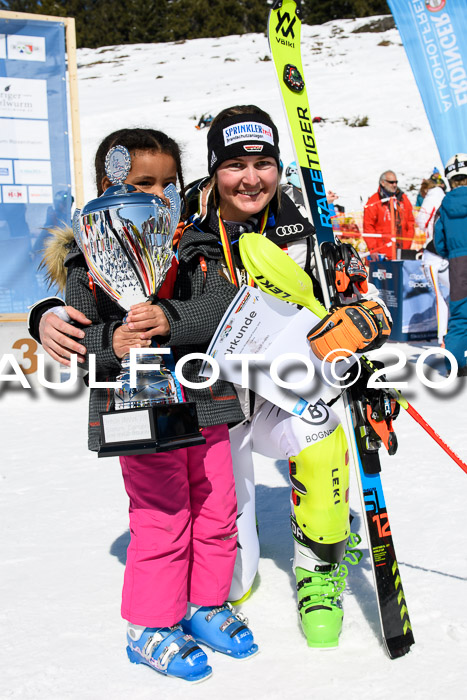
point(137, 140)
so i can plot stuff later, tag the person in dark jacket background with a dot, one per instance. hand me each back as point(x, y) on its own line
point(450, 239)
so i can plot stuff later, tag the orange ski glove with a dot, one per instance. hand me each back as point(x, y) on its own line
point(349, 329)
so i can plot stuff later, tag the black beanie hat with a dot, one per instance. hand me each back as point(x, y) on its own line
point(242, 135)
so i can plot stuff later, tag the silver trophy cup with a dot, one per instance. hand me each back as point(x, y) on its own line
point(126, 238)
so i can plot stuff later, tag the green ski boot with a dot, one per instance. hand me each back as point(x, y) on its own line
point(320, 603)
point(320, 597)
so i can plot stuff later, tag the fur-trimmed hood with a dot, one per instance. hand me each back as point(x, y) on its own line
point(57, 246)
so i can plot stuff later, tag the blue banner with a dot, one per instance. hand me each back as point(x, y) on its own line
point(407, 289)
point(434, 34)
point(35, 179)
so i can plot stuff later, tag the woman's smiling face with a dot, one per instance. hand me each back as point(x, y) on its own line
point(246, 185)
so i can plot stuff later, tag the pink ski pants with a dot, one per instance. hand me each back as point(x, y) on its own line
point(183, 532)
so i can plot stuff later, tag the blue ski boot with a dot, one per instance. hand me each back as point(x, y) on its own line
point(222, 630)
point(171, 652)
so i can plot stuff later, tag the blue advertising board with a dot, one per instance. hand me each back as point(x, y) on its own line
point(406, 287)
point(35, 178)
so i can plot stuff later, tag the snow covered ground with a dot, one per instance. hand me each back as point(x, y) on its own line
point(64, 536)
point(63, 512)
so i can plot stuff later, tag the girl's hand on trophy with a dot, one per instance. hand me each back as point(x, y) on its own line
point(57, 329)
point(123, 339)
point(148, 318)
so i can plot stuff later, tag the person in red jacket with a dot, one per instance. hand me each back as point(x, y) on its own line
point(388, 213)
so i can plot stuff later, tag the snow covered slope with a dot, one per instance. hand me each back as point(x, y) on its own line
point(169, 86)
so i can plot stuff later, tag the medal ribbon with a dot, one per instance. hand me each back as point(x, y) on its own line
point(227, 246)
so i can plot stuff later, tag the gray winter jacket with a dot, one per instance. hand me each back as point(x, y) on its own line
point(199, 301)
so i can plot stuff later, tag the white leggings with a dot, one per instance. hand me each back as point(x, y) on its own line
point(274, 433)
point(438, 270)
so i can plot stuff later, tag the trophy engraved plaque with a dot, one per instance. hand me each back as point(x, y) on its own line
point(126, 237)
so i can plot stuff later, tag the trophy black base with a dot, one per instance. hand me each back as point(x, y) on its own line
point(158, 428)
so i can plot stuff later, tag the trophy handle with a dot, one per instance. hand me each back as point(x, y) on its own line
point(175, 207)
point(77, 229)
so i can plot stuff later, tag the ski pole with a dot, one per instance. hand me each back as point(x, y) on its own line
point(421, 421)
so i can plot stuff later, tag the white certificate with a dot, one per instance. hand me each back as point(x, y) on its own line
point(258, 324)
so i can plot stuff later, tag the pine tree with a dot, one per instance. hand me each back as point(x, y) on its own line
point(149, 21)
point(204, 18)
point(326, 10)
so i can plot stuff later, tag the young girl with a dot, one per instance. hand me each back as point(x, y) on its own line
point(182, 503)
